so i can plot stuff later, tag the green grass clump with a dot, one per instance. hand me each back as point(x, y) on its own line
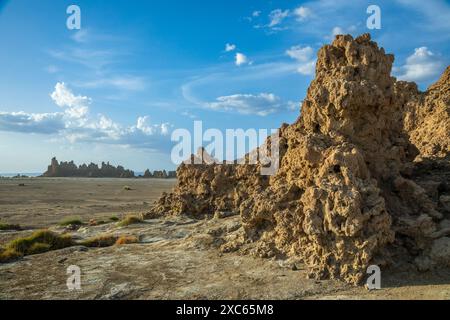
point(39, 242)
point(9, 227)
point(130, 220)
point(71, 221)
point(8, 255)
point(29, 245)
point(37, 248)
point(114, 219)
point(127, 188)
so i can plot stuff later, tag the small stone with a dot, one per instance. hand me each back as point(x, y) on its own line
point(62, 260)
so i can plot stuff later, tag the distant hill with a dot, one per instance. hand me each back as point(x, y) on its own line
point(70, 169)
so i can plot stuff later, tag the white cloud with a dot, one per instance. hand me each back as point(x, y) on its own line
point(302, 13)
point(421, 65)
point(63, 97)
point(256, 13)
point(261, 104)
point(336, 31)
point(277, 16)
point(305, 57)
point(241, 59)
point(81, 36)
point(230, 47)
point(308, 68)
point(189, 115)
point(437, 14)
point(95, 60)
point(127, 83)
point(300, 53)
point(44, 123)
point(52, 69)
point(76, 125)
point(144, 125)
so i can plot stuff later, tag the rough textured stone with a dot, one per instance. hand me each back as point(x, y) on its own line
point(361, 172)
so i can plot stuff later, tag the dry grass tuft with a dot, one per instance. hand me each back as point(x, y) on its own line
point(71, 221)
point(9, 227)
point(100, 241)
point(126, 240)
point(130, 220)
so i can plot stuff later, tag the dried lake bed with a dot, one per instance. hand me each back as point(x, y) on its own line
point(42, 202)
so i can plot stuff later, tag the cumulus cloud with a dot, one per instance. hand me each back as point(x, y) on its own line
point(77, 105)
point(256, 13)
point(44, 123)
point(277, 16)
point(64, 97)
point(261, 104)
point(241, 59)
point(75, 124)
point(302, 13)
point(420, 66)
point(230, 47)
point(305, 58)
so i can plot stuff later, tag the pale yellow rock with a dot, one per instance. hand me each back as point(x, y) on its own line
point(348, 189)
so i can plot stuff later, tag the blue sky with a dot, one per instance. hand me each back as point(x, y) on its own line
point(137, 70)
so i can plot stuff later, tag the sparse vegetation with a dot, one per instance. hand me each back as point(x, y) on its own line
point(37, 248)
point(8, 255)
point(9, 227)
point(39, 242)
point(71, 221)
point(114, 219)
point(127, 188)
point(100, 241)
point(129, 220)
point(126, 240)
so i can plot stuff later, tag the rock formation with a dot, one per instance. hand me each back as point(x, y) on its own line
point(70, 169)
point(363, 179)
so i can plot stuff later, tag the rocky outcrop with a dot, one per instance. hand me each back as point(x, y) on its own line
point(164, 174)
point(70, 169)
point(426, 118)
point(363, 175)
point(160, 174)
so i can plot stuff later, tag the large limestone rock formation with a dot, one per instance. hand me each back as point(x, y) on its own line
point(364, 172)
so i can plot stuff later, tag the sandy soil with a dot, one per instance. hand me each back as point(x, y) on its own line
point(176, 258)
point(43, 202)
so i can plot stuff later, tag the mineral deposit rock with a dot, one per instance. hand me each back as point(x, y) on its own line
point(364, 171)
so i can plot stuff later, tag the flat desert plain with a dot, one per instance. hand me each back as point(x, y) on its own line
point(42, 202)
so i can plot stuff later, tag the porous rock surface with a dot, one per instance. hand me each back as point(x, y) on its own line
point(363, 179)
